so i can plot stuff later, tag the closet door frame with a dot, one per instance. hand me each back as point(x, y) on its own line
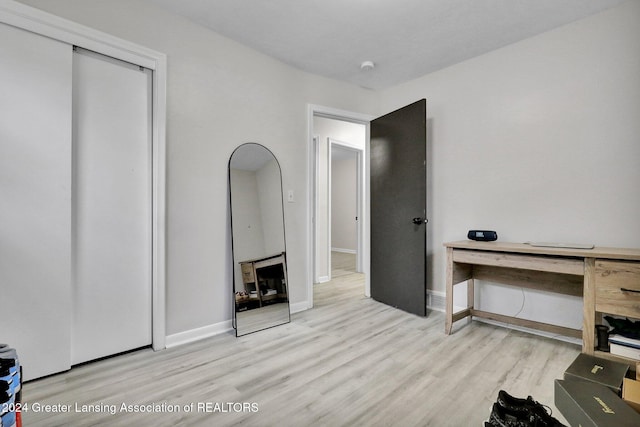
point(46, 24)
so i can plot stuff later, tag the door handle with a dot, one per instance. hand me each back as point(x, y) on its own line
point(419, 220)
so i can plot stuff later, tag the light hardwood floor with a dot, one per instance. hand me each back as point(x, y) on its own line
point(350, 361)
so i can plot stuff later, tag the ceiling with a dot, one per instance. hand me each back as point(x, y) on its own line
point(405, 39)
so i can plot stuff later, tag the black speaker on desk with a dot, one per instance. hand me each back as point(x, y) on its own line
point(482, 235)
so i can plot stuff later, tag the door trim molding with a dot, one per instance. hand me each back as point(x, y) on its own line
point(315, 154)
point(57, 28)
point(347, 116)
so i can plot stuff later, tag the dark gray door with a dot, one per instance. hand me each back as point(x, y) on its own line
point(398, 208)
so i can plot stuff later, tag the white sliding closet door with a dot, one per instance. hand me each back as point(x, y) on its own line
point(112, 214)
point(35, 199)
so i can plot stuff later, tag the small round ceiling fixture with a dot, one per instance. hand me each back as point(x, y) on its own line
point(367, 66)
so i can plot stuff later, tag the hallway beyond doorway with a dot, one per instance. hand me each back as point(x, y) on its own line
point(342, 263)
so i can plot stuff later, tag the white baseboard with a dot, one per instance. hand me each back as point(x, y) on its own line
point(298, 307)
point(198, 333)
point(345, 251)
point(436, 300)
point(219, 328)
point(323, 279)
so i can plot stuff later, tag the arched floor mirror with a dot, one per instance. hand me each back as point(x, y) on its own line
point(260, 287)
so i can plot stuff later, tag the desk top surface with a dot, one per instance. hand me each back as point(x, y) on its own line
point(596, 252)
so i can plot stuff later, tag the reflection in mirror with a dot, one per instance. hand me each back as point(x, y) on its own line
point(261, 298)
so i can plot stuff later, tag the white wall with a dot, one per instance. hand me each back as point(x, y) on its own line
point(344, 234)
point(539, 141)
point(220, 94)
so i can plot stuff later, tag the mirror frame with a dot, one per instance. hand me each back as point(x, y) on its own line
point(233, 257)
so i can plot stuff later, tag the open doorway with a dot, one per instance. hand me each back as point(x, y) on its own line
point(346, 205)
point(337, 143)
point(337, 138)
point(408, 126)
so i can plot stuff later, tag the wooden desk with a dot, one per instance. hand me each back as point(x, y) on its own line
point(608, 279)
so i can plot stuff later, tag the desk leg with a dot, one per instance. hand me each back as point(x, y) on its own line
point(449, 293)
point(589, 307)
point(470, 294)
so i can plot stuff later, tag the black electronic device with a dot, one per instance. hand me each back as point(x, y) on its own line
point(482, 235)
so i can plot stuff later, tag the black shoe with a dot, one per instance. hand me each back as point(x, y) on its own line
point(5, 394)
point(5, 366)
point(538, 415)
point(505, 417)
